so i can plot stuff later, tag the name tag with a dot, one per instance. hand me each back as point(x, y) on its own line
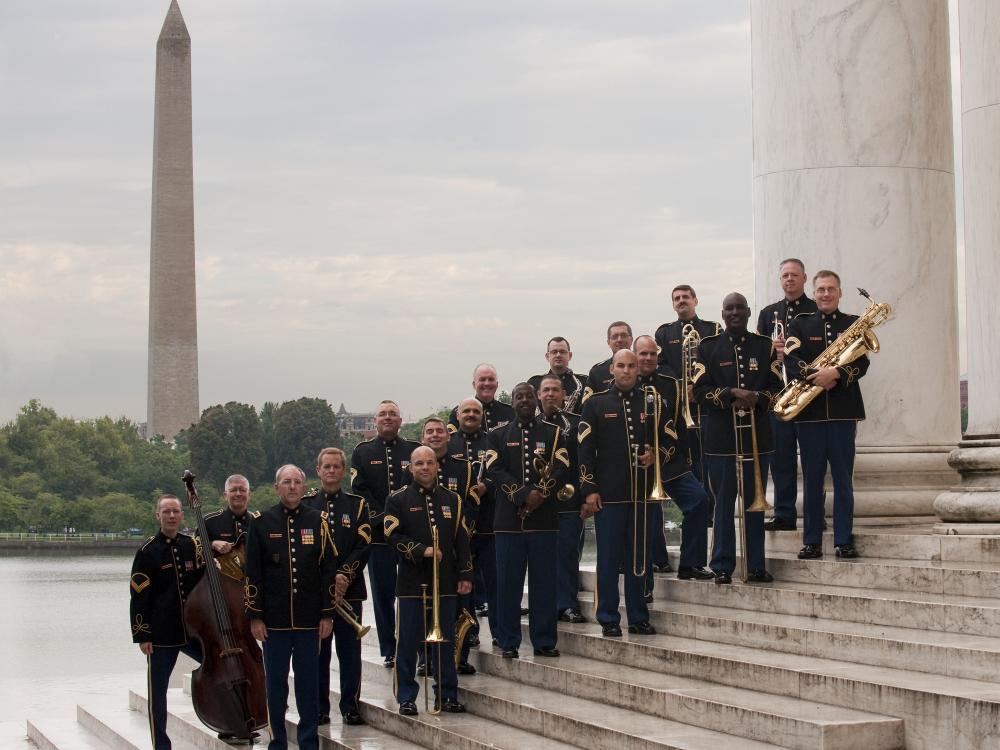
point(377, 462)
point(416, 510)
point(513, 445)
point(273, 535)
point(166, 566)
point(726, 364)
point(611, 415)
point(225, 533)
point(674, 341)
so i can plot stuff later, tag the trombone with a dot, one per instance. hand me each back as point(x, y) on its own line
point(651, 408)
point(690, 340)
point(778, 332)
point(759, 504)
point(347, 613)
point(435, 637)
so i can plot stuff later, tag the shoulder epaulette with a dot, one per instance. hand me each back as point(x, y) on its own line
point(397, 491)
point(313, 492)
point(213, 514)
point(711, 336)
point(146, 543)
point(803, 315)
point(759, 335)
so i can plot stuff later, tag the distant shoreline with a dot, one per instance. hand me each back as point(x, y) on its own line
point(69, 544)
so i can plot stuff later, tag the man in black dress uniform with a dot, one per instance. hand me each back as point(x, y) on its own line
point(485, 384)
point(600, 377)
point(351, 531)
point(225, 527)
point(828, 425)
point(784, 462)
point(377, 468)
point(559, 355)
point(526, 522)
point(738, 378)
point(290, 591)
point(410, 515)
point(164, 572)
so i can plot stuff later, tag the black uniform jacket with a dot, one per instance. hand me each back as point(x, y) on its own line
point(787, 312)
point(670, 391)
point(568, 422)
point(223, 526)
point(575, 386)
point(510, 462)
point(291, 568)
point(351, 531)
point(808, 336)
point(613, 425)
point(472, 447)
point(163, 573)
point(599, 379)
point(730, 361)
point(377, 468)
point(410, 513)
point(495, 414)
point(668, 338)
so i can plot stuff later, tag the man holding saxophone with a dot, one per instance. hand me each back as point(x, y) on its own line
point(424, 524)
point(827, 425)
point(738, 376)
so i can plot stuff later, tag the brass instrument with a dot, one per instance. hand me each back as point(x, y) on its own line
point(651, 407)
point(690, 340)
point(545, 469)
point(778, 333)
point(463, 623)
point(571, 399)
point(852, 344)
point(759, 504)
point(435, 637)
point(347, 614)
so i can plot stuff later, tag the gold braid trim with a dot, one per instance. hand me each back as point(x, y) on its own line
point(852, 373)
point(715, 397)
point(365, 532)
point(510, 489)
point(562, 455)
point(791, 344)
point(583, 432)
point(390, 524)
point(349, 569)
point(140, 582)
point(250, 596)
point(140, 626)
point(699, 370)
point(406, 550)
point(584, 476)
point(776, 368)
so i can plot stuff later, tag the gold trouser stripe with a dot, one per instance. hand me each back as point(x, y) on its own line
point(267, 703)
point(395, 656)
point(149, 697)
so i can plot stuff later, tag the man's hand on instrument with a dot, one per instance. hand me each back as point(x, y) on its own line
point(146, 647)
point(259, 630)
point(342, 583)
point(591, 505)
point(325, 627)
point(743, 398)
point(690, 393)
point(429, 551)
point(464, 588)
point(481, 489)
point(220, 547)
point(531, 502)
point(825, 377)
point(779, 349)
point(646, 458)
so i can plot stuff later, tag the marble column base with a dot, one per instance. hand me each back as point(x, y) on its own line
point(976, 499)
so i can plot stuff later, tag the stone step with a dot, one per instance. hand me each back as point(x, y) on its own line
point(956, 655)
point(554, 716)
point(781, 720)
point(904, 543)
point(939, 612)
point(182, 721)
point(62, 734)
point(937, 711)
point(123, 728)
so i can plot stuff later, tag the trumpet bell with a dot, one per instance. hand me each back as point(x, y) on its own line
point(657, 494)
point(435, 636)
point(760, 505)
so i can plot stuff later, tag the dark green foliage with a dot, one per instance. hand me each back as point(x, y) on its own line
point(302, 428)
point(227, 440)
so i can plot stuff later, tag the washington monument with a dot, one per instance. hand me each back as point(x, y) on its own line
point(173, 322)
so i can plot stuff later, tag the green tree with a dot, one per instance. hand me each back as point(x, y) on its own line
point(11, 512)
point(301, 429)
point(227, 440)
point(267, 436)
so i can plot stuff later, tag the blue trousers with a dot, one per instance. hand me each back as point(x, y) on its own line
point(570, 546)
point(784, 469)
point(301, 648)
point(159, 666)
point(822, 444)
point(383, 563)
point(484, 559)
point(689, 495)
point(412, 623)
point(699, 468)
point(348, 657)
point(723, 473)
point(614, 526)
point(534, 552)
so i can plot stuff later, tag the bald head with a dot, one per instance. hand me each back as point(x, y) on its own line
point(424, 466)
point(624, 369)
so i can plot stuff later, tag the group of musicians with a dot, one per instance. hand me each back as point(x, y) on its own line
point(452, 525)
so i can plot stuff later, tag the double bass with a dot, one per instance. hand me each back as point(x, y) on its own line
point(227, 690)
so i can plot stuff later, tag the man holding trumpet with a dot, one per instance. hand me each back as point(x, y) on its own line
point(424, 524)
point(737, 379)
point(347, 515)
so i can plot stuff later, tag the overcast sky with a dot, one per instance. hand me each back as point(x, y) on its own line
point(386, 192)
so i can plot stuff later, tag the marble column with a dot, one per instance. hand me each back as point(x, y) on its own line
point(977, 497)
point(853, 171)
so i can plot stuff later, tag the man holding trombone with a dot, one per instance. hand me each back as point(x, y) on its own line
point(424, 524)
point(738, 378)
point(347, 515)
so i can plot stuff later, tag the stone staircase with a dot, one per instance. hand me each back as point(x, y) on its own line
point(897, 649)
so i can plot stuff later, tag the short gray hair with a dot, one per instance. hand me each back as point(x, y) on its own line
point(234, 478)
point(286, 466)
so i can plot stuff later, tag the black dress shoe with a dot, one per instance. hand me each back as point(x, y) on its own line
point(571, 615)
point(482, 610)
point(696, 574)
point(546, 652)
point(846, 551)
point(496, 643)
point(390, 662)
point(472, 639)
point(649, 598)
point(466, 668)
point(759, 576)
point(776, 524)
point(722, 578)
point(510, 653)
point(665, 568)
point(232, 739)
point(524, 611)
point(408, 708)
point(811, 552)
point(323, 719)
point(642, 628)
point(420, 671)
point(611, 631)
point(352, 718)
point(452, 706)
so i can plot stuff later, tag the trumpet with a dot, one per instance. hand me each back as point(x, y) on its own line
point(759, 504)
point(778, 333)
point(690, 340)
point(435, 637)
point(347, 614)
